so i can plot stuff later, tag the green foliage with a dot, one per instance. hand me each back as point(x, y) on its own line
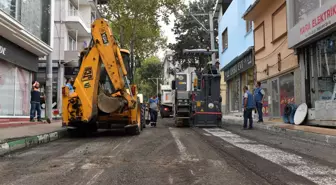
point(150, 68)
point(190, 35)
point(135, 24)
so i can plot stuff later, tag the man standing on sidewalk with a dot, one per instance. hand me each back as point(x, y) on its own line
point(35, 99)
point(259, 95)
point(248, 106)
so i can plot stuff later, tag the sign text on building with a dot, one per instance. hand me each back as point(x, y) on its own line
point(2, 50)
point(319, 22)
point(242, 65)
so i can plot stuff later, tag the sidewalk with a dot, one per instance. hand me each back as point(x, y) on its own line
point(322, 135)
point(27, 135)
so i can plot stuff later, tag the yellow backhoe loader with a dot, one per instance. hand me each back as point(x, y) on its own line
point(102, 97)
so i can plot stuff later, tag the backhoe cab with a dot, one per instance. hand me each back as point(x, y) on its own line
point(102, 97)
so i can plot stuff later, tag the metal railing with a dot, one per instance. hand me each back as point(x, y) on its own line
point(76, 13)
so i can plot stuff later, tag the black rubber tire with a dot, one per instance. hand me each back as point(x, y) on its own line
point(133, 131)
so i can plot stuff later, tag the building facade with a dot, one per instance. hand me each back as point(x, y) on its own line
point(311, 32)
point(236, 52)
point(276, 65)
point(24, 38)
point(72, 33)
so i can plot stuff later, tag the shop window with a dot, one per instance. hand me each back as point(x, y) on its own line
point(15, 86)
point(275, 98)
point(265, 110)
point(325, 52)
point(225, 41)
point(286, 91)
point(235, 92)
point(7, 89)
point(22, 92)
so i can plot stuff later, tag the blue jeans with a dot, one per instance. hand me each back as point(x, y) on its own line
point(259, 109)
point(153, 115)
point(248, 115)
point(35, 107)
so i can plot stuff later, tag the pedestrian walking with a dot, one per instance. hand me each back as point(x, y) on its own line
point(154, 108)
point(35, 102)
point(259, 95)
point(248, 106)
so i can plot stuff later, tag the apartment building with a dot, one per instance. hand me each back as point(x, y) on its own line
point(72, 33)
point(24, 37)
point(236, 53)
point(311, 33)
point(276, 65)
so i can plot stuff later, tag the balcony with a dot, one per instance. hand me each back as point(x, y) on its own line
point(74, 21)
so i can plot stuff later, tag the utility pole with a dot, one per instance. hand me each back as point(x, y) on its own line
point(48, 89)
point(212, 38)
point(157, 84)
point(211, 30)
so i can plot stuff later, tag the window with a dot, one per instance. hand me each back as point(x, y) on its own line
point(71, 44)
point(248, 26)
point(286, 90)
point(224, 40)
point(279, 23)
point(72, 9)
point(259, 38)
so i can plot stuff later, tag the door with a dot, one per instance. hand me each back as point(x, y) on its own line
point(275, 98)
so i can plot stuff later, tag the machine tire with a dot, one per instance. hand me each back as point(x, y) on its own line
point(133, 131)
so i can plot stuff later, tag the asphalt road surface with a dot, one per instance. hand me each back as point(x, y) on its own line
point(170, 155)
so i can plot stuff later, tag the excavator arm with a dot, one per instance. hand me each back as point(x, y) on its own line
point(89, 97)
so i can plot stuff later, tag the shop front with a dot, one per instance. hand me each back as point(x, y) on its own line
point(313, 35)
point(237, 74)
point(17, 67)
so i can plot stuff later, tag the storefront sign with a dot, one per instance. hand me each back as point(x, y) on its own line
point(240, 66)
point(2, 50)
point(18, 56)
point(315, 22)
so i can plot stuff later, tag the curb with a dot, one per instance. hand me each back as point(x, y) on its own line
point(30, 141)
point(310, 136)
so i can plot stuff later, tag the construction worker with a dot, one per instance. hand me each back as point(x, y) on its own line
point(154, 108)
point(248, 106)
point(69, 84)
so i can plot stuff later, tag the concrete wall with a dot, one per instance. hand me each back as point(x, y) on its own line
point(270, 36)
point(238, 39)
point(223, 89)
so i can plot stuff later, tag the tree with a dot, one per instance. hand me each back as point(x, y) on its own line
point(151, 68)
point(190, 35)
point(135, 24)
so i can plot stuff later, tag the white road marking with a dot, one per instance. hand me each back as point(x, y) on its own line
point(171, 180)
point(94, 178)
point(192, 172)
point(319, 174)
point(116, 147)
point(206, 134)
point(183, 150)
point(123, 149)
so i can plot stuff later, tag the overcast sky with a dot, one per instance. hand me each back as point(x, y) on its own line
point(167, 31)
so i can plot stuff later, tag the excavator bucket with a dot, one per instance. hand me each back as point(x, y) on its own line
point(109, 104)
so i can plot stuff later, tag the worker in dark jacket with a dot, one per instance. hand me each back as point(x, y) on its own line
point(248, 105)
point(35, 102)
point(259, 95)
